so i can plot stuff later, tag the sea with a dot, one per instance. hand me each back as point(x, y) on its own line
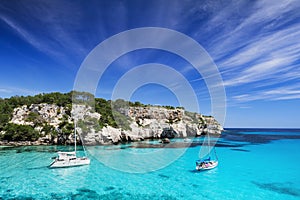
point(253, 164)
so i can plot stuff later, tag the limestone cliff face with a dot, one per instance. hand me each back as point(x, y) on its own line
point(144, 122)
point(48, 119)
point(39, 114)
point(153, 122)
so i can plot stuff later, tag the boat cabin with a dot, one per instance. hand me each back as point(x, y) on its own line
point(66, 155)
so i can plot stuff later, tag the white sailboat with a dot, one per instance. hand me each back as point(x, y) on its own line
point(69, 159)
point(207, 163)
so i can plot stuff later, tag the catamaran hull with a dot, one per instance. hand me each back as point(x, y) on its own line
point(70, 163)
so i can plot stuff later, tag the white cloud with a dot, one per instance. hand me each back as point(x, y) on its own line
point(280, 44)
point(281, 93)
point(260, 52)
point(27, 36)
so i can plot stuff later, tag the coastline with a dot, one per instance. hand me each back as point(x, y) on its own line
point(23, 143)
point(226, 130)
point(40, 143)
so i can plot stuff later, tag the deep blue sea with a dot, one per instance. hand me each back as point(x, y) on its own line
point(253, 164)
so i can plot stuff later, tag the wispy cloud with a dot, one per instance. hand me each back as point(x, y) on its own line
point(281, 93)
point(249, 23)
point(272, 45)
point(50, 27)
point(28, 36)
point(255, 44)
point(260, 50)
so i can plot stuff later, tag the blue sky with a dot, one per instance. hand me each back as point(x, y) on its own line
point(255, 45)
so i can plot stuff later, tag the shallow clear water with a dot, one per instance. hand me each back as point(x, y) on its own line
point(252, 165)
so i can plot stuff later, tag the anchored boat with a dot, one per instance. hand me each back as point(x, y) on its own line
point(207, 163)
point(69, 159)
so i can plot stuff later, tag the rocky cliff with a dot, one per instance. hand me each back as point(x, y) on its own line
point(55, 124)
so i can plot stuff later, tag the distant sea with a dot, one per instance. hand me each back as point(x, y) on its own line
point(253, 164)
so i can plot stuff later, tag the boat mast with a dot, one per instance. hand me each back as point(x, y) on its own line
point(208, 140)
point(75, 134)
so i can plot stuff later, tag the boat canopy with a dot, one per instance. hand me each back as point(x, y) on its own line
point(66, 155)
point(198, 162)
point(204, 160)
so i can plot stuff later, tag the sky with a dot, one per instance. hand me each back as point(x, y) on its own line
point(254, 44)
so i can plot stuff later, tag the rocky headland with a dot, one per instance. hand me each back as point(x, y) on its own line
point(50, 123)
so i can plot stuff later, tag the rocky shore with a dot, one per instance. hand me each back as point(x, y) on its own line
point(22, 143)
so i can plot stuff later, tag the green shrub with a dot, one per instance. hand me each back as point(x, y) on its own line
point(15, 132)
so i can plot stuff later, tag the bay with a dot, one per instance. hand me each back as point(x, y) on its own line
point(253, 164)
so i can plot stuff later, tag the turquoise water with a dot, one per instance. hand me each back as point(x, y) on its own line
point(252, 165)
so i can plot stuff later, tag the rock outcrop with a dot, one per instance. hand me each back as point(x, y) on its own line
point(144, 122)
point(152, 122)
point(39, 114)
